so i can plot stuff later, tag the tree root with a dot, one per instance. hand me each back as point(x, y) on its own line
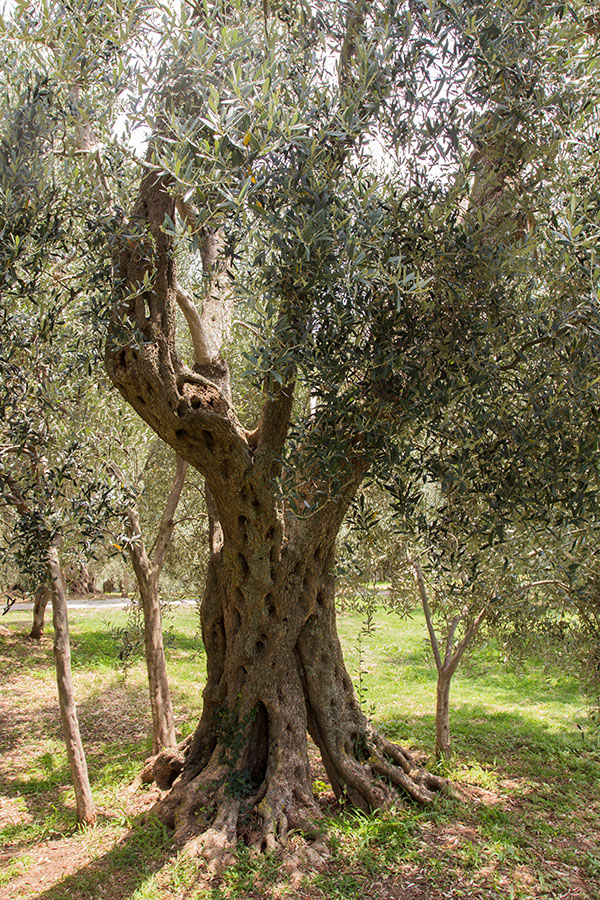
point(165, 766)
point(399, 767)
point(208, 822)
point(217, 844)
point(208, 818)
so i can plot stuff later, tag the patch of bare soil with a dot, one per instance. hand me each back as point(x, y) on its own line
point(55, 860)
point(33, 793)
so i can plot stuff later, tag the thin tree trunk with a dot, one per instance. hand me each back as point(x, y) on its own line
point(147, 573)
point(86, 812)
point(40, 602)
point(442, 716)
point(163, 721)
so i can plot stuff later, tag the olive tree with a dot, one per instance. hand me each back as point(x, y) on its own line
point(375, 289)
point(358, 186)
point(51, 477)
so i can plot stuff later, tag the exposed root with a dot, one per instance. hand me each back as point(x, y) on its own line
point(253, 780)
point(397, 765)
point(208, 821)
point(307, 859)
point(165, 766)
point(217, 844)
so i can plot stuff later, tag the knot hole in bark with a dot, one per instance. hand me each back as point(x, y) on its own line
point(243, 565)
point(270, 606)
point(209, 440)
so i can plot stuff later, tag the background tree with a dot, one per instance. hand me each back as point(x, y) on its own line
point(49, 475)
point(147, 565)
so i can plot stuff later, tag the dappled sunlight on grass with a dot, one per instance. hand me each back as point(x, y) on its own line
point(525, 799)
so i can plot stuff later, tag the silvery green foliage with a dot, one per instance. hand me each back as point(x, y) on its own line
point(54, 265)
point(412, 235)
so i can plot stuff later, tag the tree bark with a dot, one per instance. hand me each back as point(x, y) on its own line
point(147, 572)
point(442, 716)
point(40, 602)
point(163, 722)
point(86, 812)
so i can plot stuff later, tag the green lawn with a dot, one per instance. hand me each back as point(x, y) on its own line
point(522, 822)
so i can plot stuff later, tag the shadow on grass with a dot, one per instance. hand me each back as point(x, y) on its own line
point(510, 743)
point(115, 725)
point(18, 652)
point(49, 808)
point(120, 871)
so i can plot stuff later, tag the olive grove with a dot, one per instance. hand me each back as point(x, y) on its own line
point(352, 252)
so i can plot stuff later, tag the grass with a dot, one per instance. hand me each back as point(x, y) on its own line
point(526, 769)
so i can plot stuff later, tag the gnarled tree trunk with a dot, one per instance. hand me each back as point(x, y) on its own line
point(276, 673)
point(79, 581)
point(275, 670)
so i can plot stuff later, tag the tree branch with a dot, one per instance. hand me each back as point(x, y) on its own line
point(199, 422)
point(354, 22)
point(322, 525)
point(274, 422)
point(202, 354)
point(427, 611)
point(468, 637)
point(166, 526)
point(15, 498)
point(450, 639)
